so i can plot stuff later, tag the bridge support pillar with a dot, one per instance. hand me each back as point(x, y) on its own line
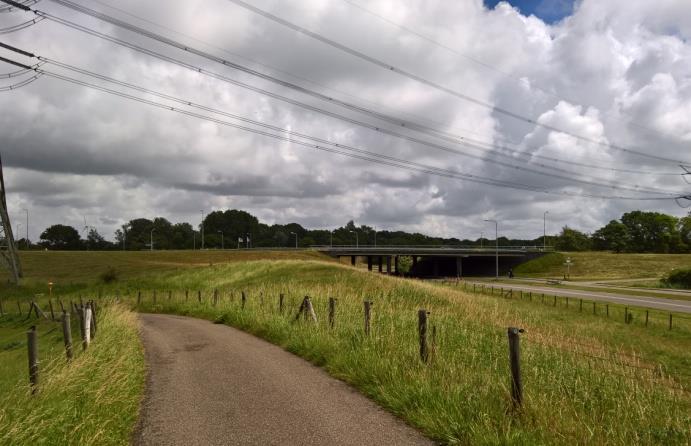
point(414, 261)
point(395, 265)
point(380, 260)
point(352, 260)
point(369, 263)
point(388, 265)
point(459, 267)
point(435, 266)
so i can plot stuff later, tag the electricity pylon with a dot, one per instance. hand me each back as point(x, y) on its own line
point(8, 249)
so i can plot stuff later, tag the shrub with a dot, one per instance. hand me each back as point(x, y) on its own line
point(680, 278)
point(109, 275)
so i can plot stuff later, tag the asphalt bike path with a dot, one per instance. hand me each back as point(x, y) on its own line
point(210, 384)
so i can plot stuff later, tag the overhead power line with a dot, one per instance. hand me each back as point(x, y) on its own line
point(301, 89)
point(486, 147)
point(487, 66)
point(298, 138)
point(432, 84)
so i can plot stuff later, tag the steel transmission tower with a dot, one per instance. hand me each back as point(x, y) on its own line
point(8, 249)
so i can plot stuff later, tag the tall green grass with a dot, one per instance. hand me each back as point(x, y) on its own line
point(93, 400)
point(587, 380)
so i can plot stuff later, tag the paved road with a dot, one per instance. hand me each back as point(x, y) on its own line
point(663, 304)
point(214, 385)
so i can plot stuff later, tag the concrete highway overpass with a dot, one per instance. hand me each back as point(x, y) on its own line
point(439, 261)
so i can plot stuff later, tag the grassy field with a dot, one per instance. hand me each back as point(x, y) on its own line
point(603, 265)
point(93, 400)
point(587, 380)
point(74, 271)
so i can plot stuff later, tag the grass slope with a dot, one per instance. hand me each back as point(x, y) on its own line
point(93, 400)
point(587, 380)
point(603, 265)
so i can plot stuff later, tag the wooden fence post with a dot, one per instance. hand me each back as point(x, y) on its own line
point(244, 298)
point(20, 308)
point(52, 314)
point(88, 326)
point(646, 318)
point(670, 321)
point(199, 296)
point(82, 327)
point(422, 332)
point(32, 342)
point(139, 297)
point(594, 309)
point(580, 305)
point(515, 359)
point(607, 309)
point(281, 298)
point(332, 312)
point(154, 297)
point(555, 301)
point(94, 326)
point(215, 297)
point(187, 295)
point(368, 316)
point(67, 334)
point(626, 315)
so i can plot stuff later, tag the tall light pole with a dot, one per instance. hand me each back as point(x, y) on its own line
point(202, 228)
point(357, 242)
point(296, 239)
point(27, 227)
point(151, 239)
point(249, 236)
point(496, 236)
point(222, 242)
point(544, 230)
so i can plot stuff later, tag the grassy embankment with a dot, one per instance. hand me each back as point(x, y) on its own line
point(93, 400)
point(587, 380)
point(592, 266)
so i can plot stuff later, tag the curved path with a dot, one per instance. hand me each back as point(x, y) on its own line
point(214, 385)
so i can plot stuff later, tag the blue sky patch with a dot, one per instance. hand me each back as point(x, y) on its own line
point(550, 11)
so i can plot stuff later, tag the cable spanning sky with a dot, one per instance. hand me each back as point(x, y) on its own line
point(422, 116)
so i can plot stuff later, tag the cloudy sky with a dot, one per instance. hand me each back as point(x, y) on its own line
point(614, 76)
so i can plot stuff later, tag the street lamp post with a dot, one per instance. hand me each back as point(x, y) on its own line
point(202, 228)
point(496, 237)
point(296, 239)
point(27, 227)
point(544, 230)
point(151, 239)
point(248, 237)
point(222, 242)
point(357, 242)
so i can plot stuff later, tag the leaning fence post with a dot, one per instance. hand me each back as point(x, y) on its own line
point(32, 342)
point(199, 296)
point(422, 331)
point(52, 314)
point(368, 316)
point(281, 297)
point(244, 298)
point(67, 334)
point(332, 312)
point(20, 308)
point(82, 326)
point(515, 359)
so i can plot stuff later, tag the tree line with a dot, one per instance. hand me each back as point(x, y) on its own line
point(636, 231)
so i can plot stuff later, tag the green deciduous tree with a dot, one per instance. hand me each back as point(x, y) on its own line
point(61, 237)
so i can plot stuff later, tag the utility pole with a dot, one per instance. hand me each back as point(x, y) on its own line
point(8, 249)
point(496, 245)
point(202, 228)
point(544, 231)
